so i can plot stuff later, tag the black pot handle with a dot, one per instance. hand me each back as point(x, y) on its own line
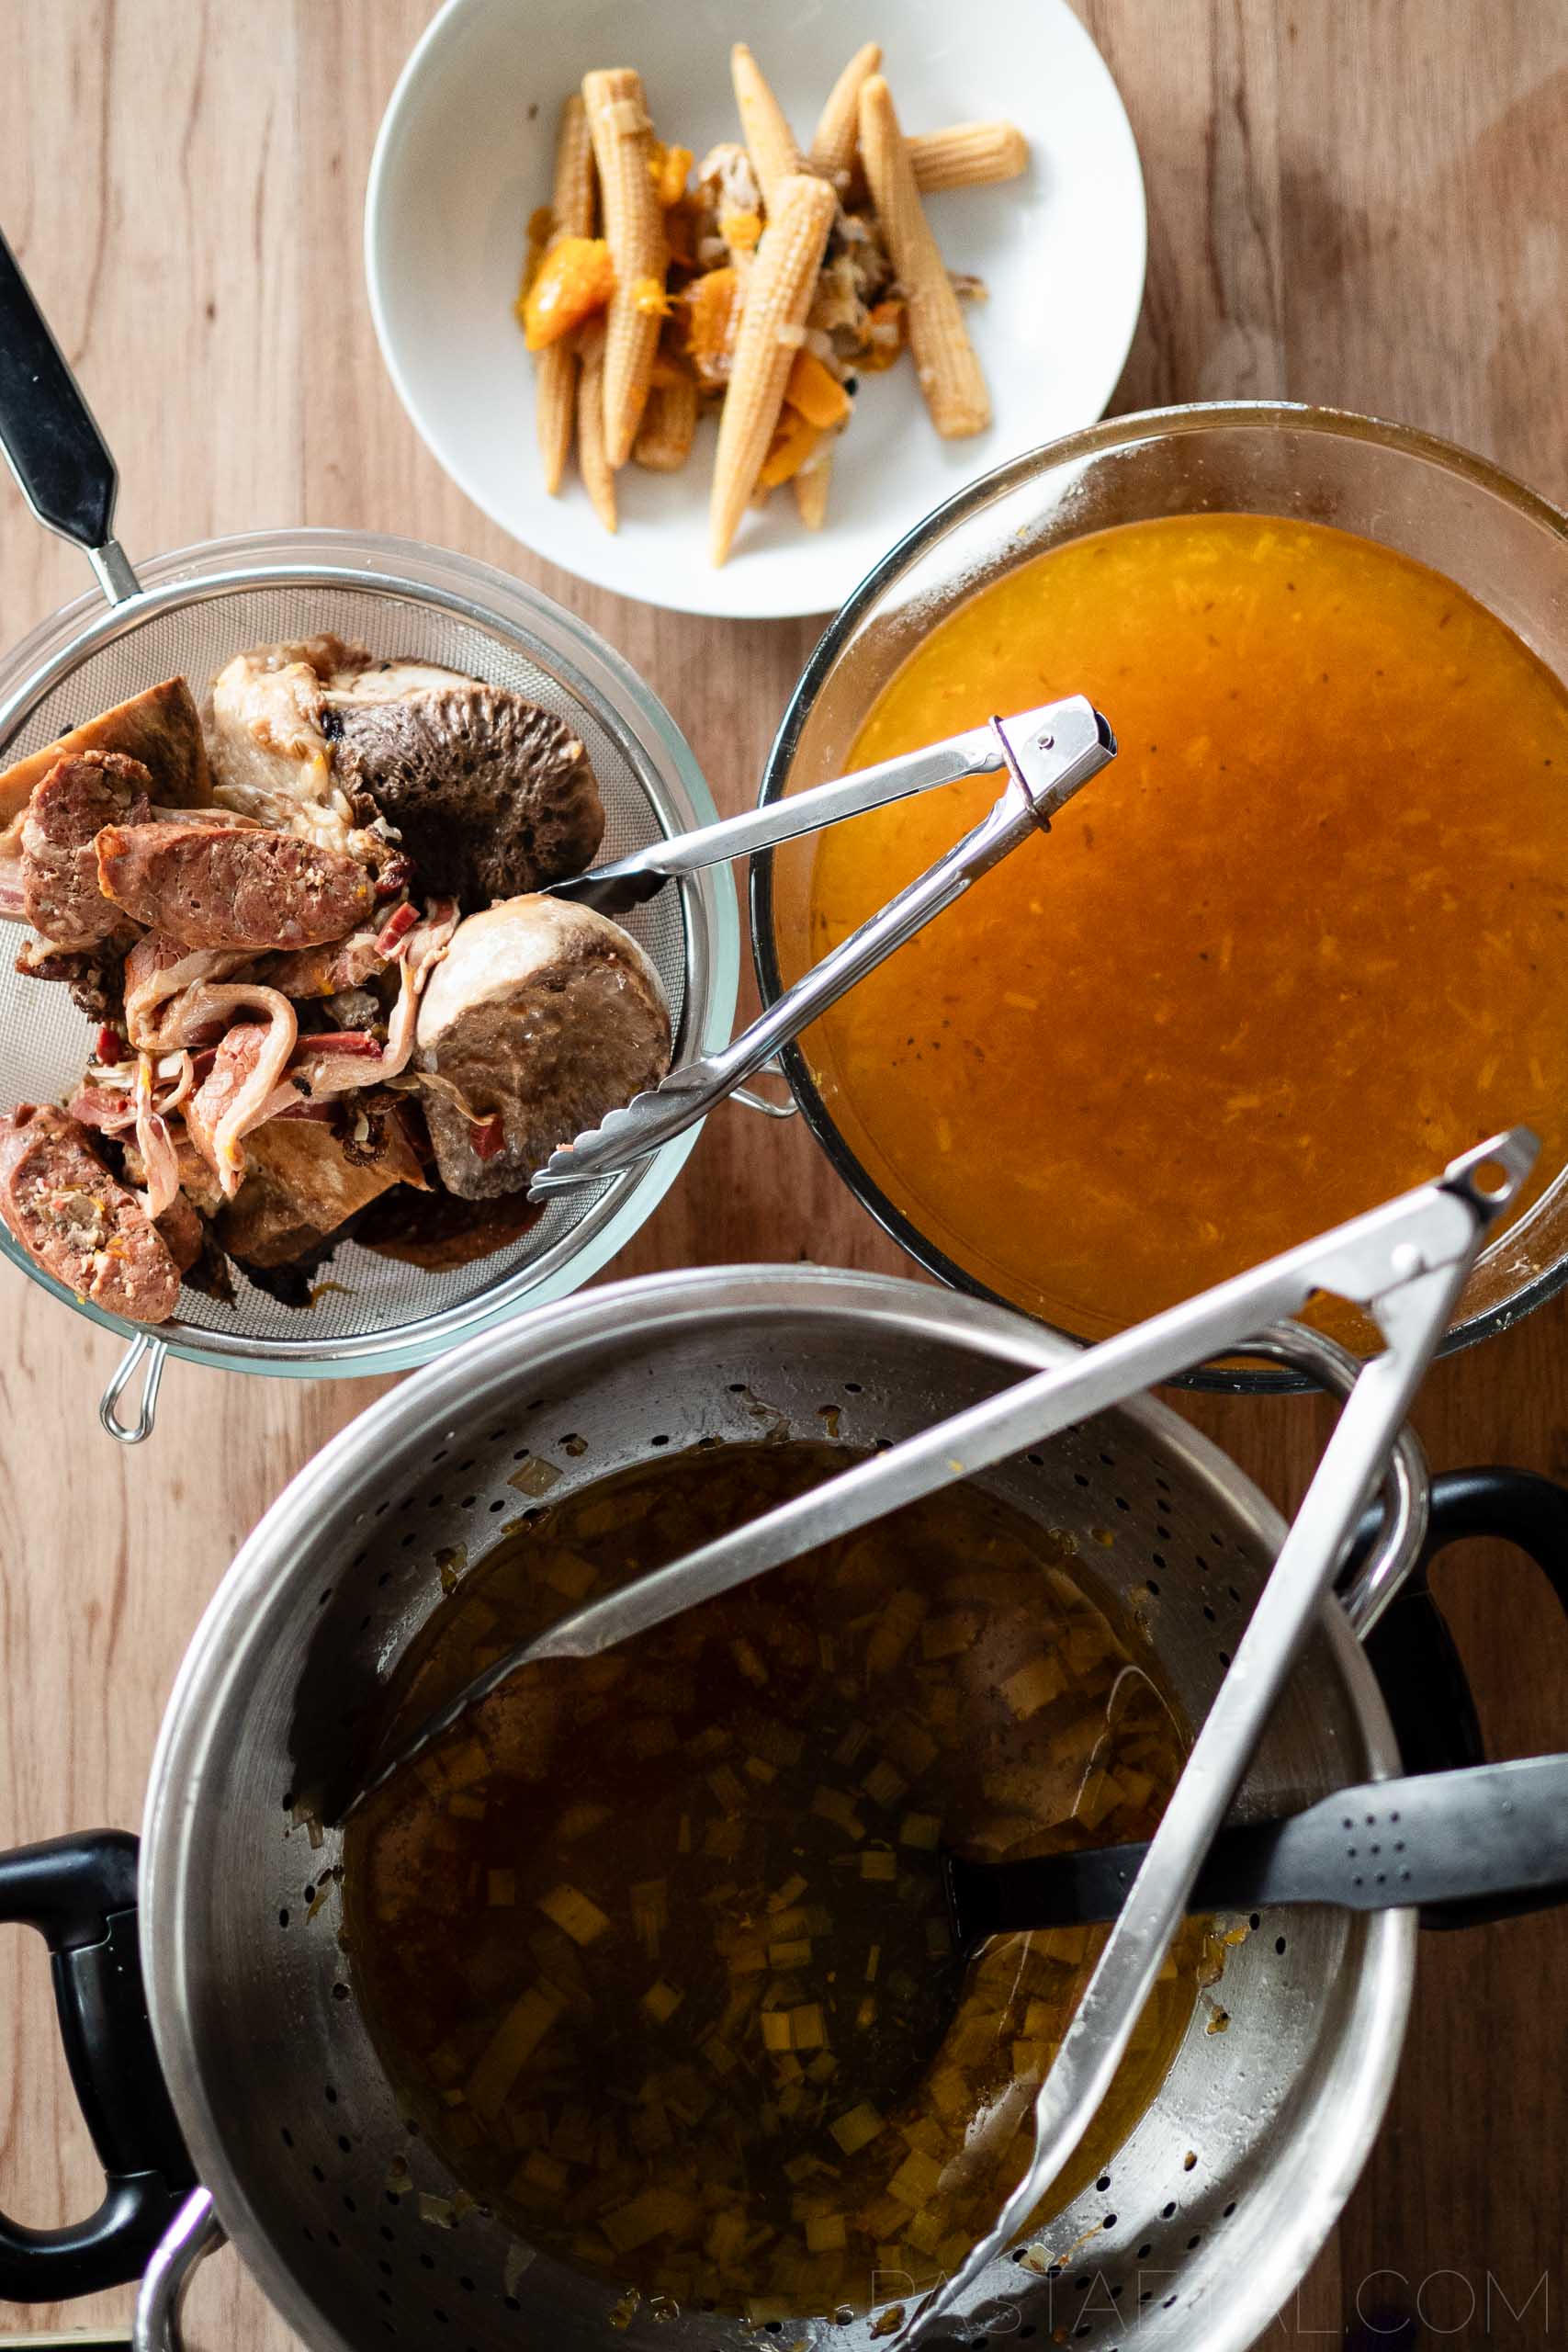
point(1413, 1654)
point(80, 1893)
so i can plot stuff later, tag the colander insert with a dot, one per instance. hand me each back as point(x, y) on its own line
point(1225, 2189)
point(398, 598)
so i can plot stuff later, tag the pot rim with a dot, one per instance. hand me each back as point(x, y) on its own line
point(1092, 440)
point(278, 1555)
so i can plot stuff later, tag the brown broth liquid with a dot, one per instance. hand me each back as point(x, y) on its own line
point(1299, 946)
point(654, 1947)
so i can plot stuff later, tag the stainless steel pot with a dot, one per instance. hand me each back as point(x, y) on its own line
point(1211, 2212)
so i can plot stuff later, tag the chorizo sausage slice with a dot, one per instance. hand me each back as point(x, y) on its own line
point(78, 1222)
point(213, 885)
point(82, 794)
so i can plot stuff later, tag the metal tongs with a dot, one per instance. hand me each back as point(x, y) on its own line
point(1046, 756)
point(1405, 1264)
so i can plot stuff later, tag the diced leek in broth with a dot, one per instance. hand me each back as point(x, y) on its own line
point(653, 1946)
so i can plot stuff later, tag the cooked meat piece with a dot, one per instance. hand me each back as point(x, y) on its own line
point(323, 971)
point(437, 1230)
point(304, 1180)
point(159, 728)
point(270, 757)
point(79, 1223)
point(198, 1185)
point(94, 976)
point(489, 794)
point(81, 795)
point(182, 1232)
point(109, 1110)
point(357, 1009)
point(545, 1016)
point(363, 680)
point(213, 885)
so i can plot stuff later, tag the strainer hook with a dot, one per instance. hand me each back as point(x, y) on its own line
point(1376, 1579)
point(770, 1109)
point(155, 1355)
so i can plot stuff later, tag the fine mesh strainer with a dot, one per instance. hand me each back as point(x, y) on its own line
point(1203, 2218)
point(188, 612)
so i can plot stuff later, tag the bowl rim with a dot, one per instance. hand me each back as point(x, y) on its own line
point(1106, 434)
point(592, 671)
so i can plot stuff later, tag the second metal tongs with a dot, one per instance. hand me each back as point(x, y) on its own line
point(1046, 756)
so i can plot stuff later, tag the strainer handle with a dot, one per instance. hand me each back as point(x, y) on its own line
point(54, 446)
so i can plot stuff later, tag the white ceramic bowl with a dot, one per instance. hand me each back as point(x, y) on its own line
point(465, 154)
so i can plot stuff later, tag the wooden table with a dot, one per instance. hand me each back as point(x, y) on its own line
point(1354, 204)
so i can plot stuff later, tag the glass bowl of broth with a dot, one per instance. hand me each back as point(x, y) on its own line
point(1301, 943)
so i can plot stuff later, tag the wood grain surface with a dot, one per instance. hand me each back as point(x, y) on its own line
point(1359, 204)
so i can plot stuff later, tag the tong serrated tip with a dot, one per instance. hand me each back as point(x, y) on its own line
point(571, 1165)
point(627, 1134)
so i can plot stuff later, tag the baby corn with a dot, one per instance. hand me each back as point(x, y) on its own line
point(949, 372)
point(669, 427)
point(837, 130)
point(772, 323)
point(555, 404)
point(634, 229)
point(645, 302)
point(598, 478)
point(769, 141)
point(811, 486)
point(967, 155)
point(571, 215)
point(574, 197)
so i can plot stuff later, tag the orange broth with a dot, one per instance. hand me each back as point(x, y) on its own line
point(1301, 943)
